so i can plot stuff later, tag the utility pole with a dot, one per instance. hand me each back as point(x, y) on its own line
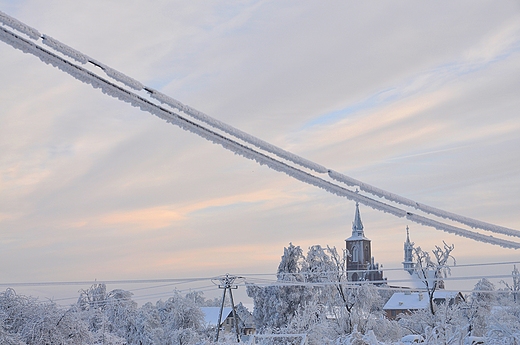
point(516, 283)
point(226, 283)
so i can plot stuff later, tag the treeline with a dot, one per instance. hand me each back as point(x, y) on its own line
point(312, 296)
point(102, 317)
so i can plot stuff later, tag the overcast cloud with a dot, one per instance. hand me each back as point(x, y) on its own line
point(418, 99)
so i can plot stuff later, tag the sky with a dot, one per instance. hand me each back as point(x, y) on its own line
point(420, 99)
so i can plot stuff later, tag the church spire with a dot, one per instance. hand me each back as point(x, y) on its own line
point(357, 225)
point(408, 263)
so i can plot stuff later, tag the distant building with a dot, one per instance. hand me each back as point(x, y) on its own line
point(360, 263)
point(407, 277)
point(211, 315)
point(408, 301)
point(416, 296)
point(245, 319)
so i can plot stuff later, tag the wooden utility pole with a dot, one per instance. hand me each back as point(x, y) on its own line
point(226, 283)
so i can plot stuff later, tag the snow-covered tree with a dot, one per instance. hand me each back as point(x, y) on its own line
point(13, 309)
point(7, 338)
point(94, 297)
point(181, 319)
point(479, 305)
point(432, 271)
point(109, 314)
point(291, 264)
point(120, 311)
point(27, 321)
point(348, 305)
point(325, 304)
point(503, 325)
point(312, 320)
point(319, 268)
point(275, 305)
point(147, 328)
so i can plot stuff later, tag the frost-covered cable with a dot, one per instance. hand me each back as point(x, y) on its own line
point(461, 232)
point(476, 224)
point(120, 77)
point(370, 189)
point(135, 100)
point(235, 132)
point(133, 83)
point(136, 85)
point(19, 26)
point(64, 49)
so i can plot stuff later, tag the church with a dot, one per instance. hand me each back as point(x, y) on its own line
point(361, 265)
point(360, 262)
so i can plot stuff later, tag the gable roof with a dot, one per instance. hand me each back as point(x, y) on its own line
point(416, 300)
point(407, 301)
point(211, 315)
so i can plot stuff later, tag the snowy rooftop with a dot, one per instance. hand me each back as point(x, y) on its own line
point(357, 238)
point(211, 315)
point(415, 300)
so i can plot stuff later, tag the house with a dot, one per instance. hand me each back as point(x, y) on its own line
point(244, 319)
point(408, 302)
point(211, 315)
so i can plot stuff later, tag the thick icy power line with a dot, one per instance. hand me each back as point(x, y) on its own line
point(144, 104)
point(477, 224)
point(80, 57)
point(236, 132)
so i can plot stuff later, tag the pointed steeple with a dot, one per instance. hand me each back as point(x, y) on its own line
point(408, 263)
point(357, 225)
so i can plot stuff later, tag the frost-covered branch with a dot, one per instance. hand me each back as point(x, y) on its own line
point(431, 272)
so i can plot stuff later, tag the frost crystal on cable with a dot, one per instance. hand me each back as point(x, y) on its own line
point(65, 49)
point(18, 25)
point(236, 132)
point(121, 77)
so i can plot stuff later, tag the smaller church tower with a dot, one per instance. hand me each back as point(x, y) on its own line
point(408, 263)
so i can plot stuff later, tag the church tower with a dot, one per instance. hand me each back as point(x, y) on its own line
point(408, 263)
point(360, 263)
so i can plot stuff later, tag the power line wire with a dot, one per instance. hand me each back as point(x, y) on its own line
point(243, 150)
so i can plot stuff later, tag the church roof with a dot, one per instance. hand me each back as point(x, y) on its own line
point(357, 227)
point(357, 238)
point(408, 243)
